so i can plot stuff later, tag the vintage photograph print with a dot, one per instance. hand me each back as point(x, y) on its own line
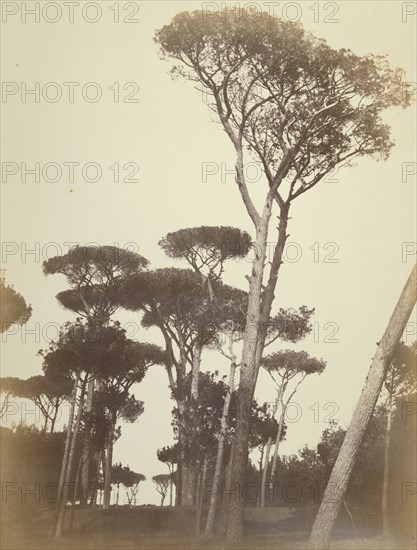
point(208, 275)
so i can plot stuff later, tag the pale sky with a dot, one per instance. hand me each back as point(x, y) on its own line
point(366, 213)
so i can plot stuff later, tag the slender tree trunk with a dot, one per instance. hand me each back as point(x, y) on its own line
point(194, 482)
point(53, 421)
point(265, 471)
point(170, 484)
point(261, 458)
point(86, 455)
point(179, 482)
point(180, 406)
point(195, 372)
point(74, 496)
point(65, 492)
point(45, 424)
point(210, 288)
point(103, 469)
point(200, 492)
point(181, 456)
point(386, 530)
point(117, 495)
point(197, 348)
point(281, 428)
point(109, 461)
point(93, 499)
point(203, 483)
point(64, 464)
point(339, 478)
point(269, 444)
point(183, 494)
point(185, 485)
point(96, 462)
point(199, 496)
point(262, 449)
point(276, 449)
point(220, 449)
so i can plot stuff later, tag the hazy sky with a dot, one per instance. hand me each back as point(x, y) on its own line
point(364, 215)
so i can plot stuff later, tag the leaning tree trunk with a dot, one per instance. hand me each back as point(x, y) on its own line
point(339, 478)
point(64, 497)
point(385, 521)
point(109, 461)
point(220, 450)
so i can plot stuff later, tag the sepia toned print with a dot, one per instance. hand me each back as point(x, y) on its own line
point(208, 275)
